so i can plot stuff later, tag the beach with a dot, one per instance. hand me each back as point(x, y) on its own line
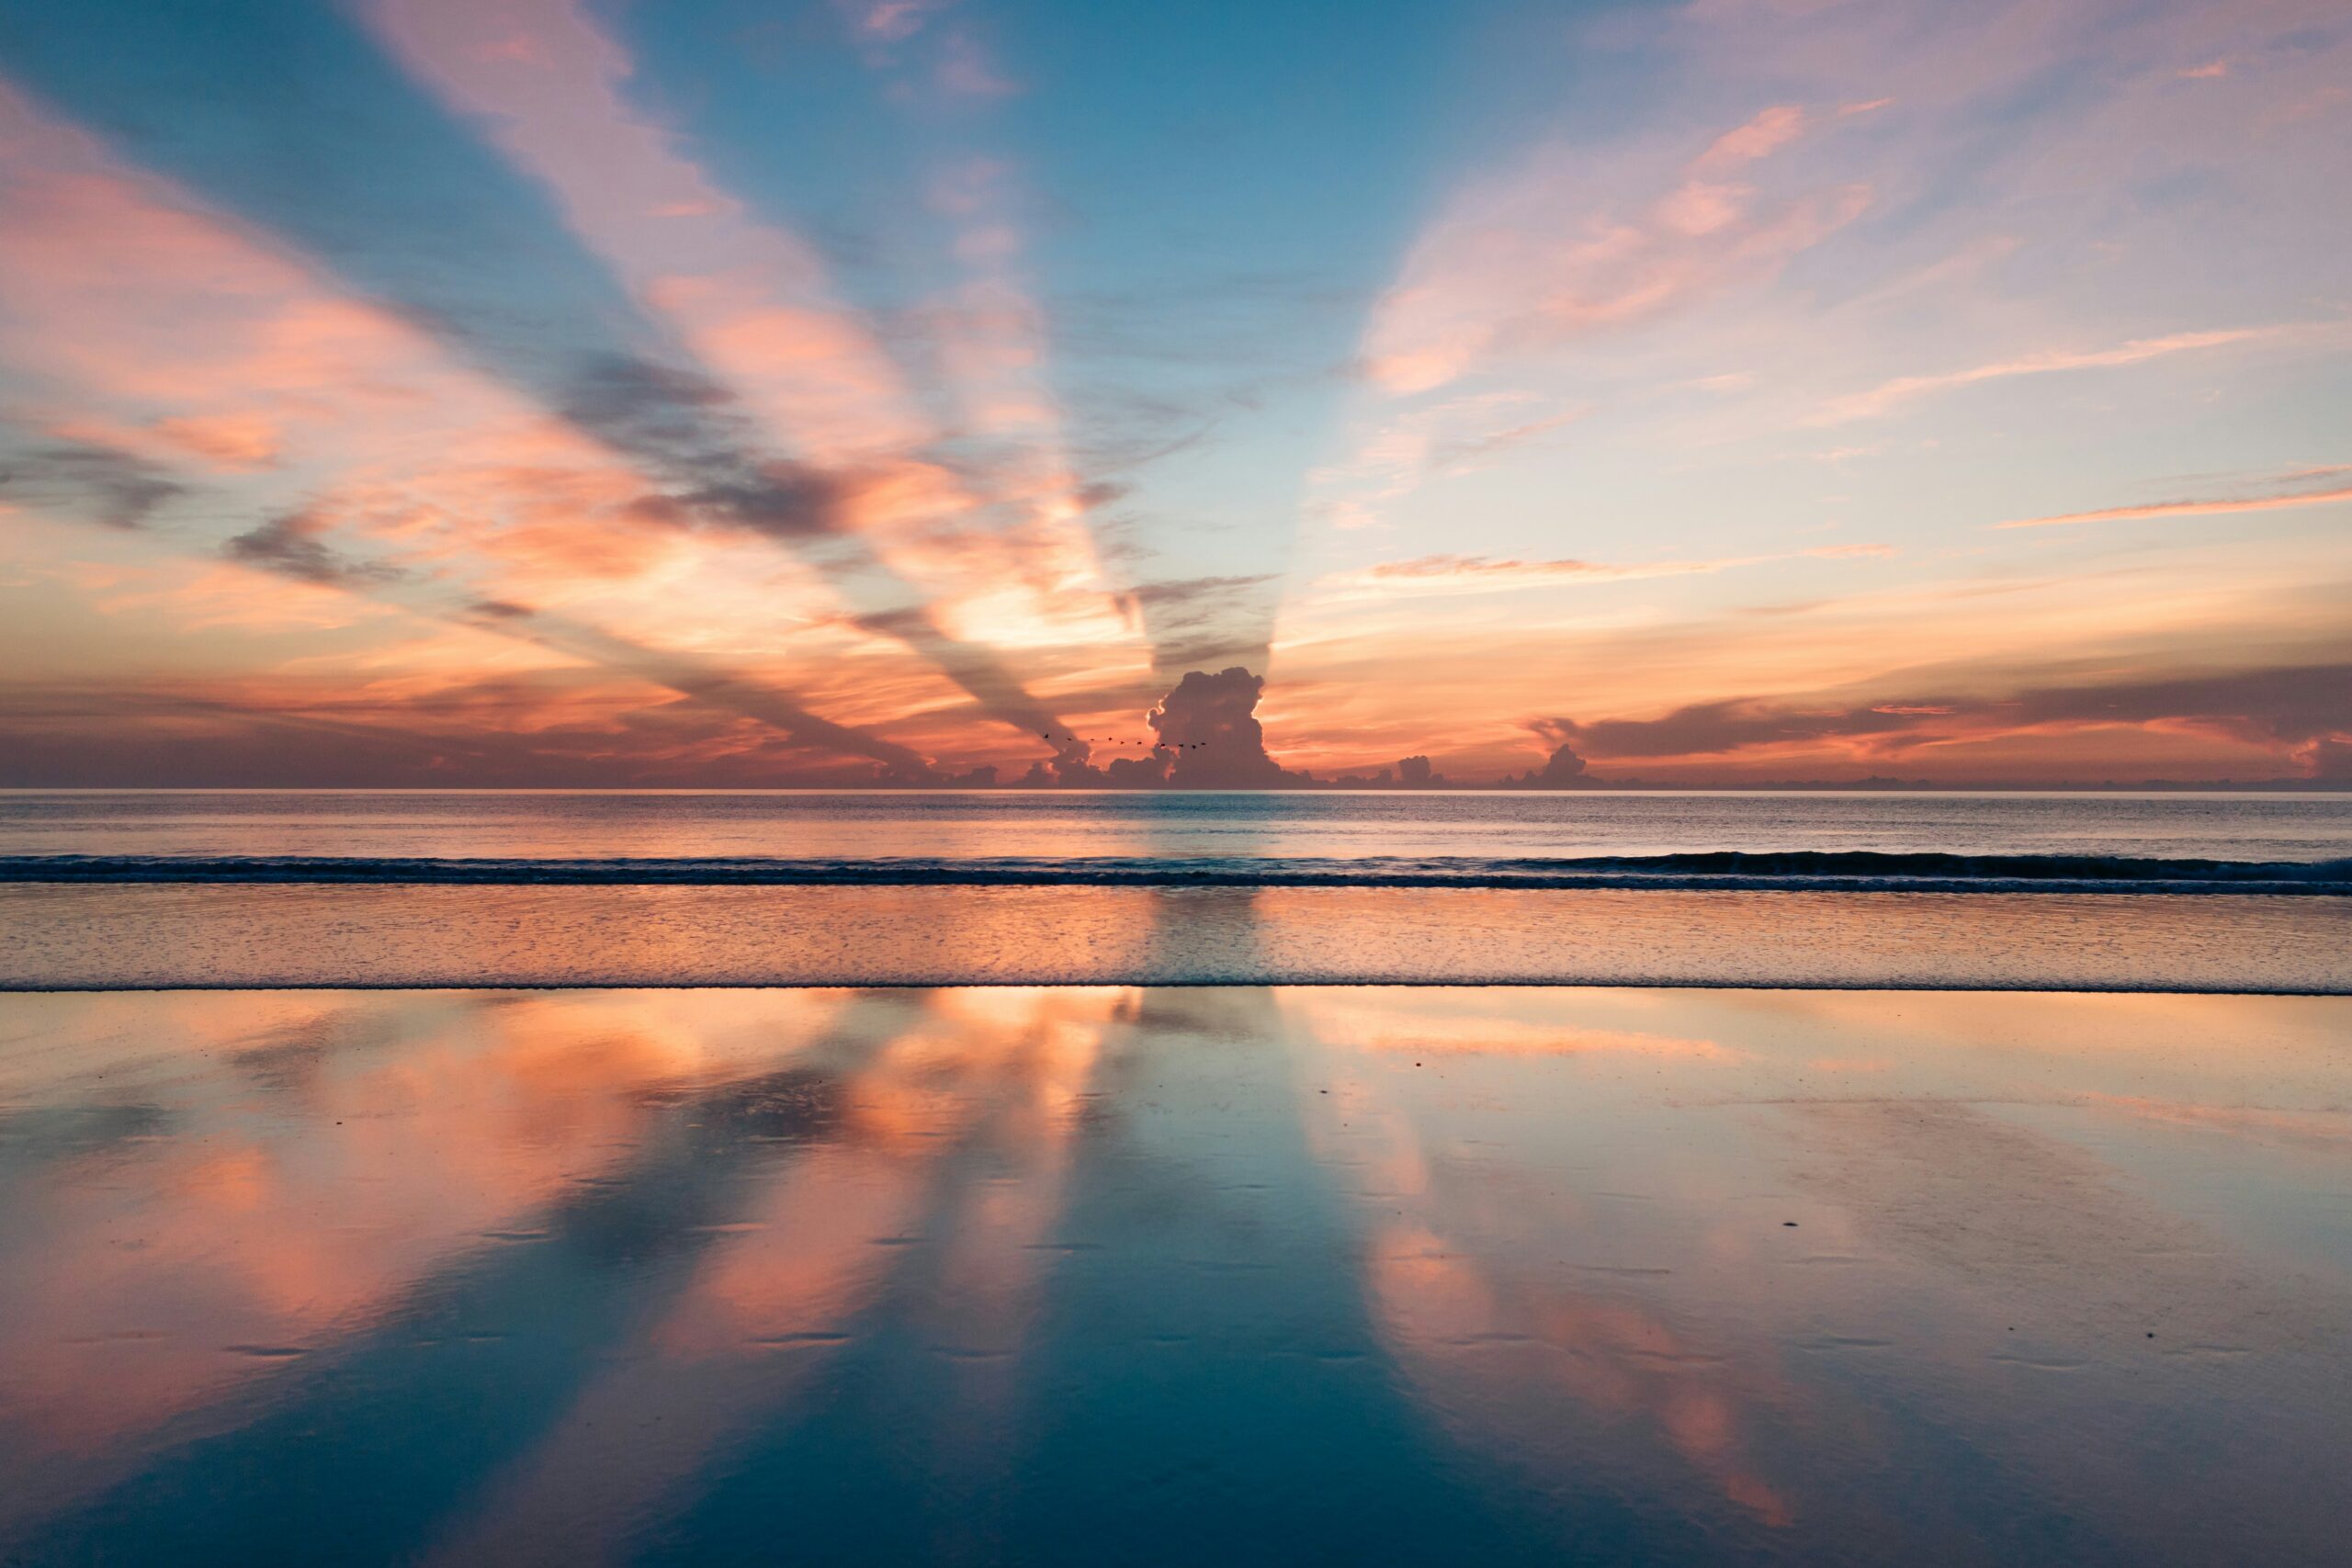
point(2175, 891)
point(1014, 782)
point(430, 1171)
point(1251, 1273)
point(177, 936)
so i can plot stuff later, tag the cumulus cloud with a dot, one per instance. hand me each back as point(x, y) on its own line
point(1564, 769)
point(2328, 760)
point(1208, 737)
point(1208, 729)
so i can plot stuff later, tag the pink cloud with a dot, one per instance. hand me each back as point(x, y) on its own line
point(965, 69)
point(1760, 138)
point(1525, 261)
point(1485, 574)
point(237, 441)
point(1889, 395)
point(889, 21)
point(755, 304)
point(2327, 496)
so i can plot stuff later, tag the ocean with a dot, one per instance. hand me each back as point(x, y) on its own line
point(2201, 892)
point(1483, 838)
point(681, 1178)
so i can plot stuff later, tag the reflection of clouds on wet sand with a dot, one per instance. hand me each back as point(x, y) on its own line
point(1520, 1361)
point(1435, 1021)
point(946, 1165)
point(338, 1179)
point(301, 1160)
point(304, 1165)
point(1488, 1271)
point(2105, 1336)
point(2028, 1222)
point(1577, 1224)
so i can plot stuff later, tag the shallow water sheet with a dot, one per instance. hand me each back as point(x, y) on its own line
point(1405, 1273)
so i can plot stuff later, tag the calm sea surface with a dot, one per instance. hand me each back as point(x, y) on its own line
point(2044, 892)
point(948, 826)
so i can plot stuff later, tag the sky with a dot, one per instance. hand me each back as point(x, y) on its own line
point(793, 392)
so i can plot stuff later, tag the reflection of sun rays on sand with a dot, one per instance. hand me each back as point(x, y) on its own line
point(1026, 1266)
point(827, 1240)
point(1490, 1341)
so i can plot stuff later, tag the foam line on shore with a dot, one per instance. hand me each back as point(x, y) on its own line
point(1744, 871)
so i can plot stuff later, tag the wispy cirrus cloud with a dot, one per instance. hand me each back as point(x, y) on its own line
point(2320, 495)
point(1528, 259)
point(495, 278)
point(1438, 440)
point(876, 22)
point(583, 312)
point(469, 495)
point(1488, 575)
point(1888, 396)
point(755, 306)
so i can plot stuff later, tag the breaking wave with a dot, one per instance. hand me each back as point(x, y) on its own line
point(1809, 871)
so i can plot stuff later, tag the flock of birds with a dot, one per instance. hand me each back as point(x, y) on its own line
point(1114, 740)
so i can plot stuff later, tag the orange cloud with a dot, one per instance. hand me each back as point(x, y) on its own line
point(426, 483)
point(755, 304)
point(236, 441)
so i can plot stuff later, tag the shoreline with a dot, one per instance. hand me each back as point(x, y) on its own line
point(179, 936)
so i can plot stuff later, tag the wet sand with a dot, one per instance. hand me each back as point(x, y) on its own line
point(178, 936)
point(1173, 1275)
